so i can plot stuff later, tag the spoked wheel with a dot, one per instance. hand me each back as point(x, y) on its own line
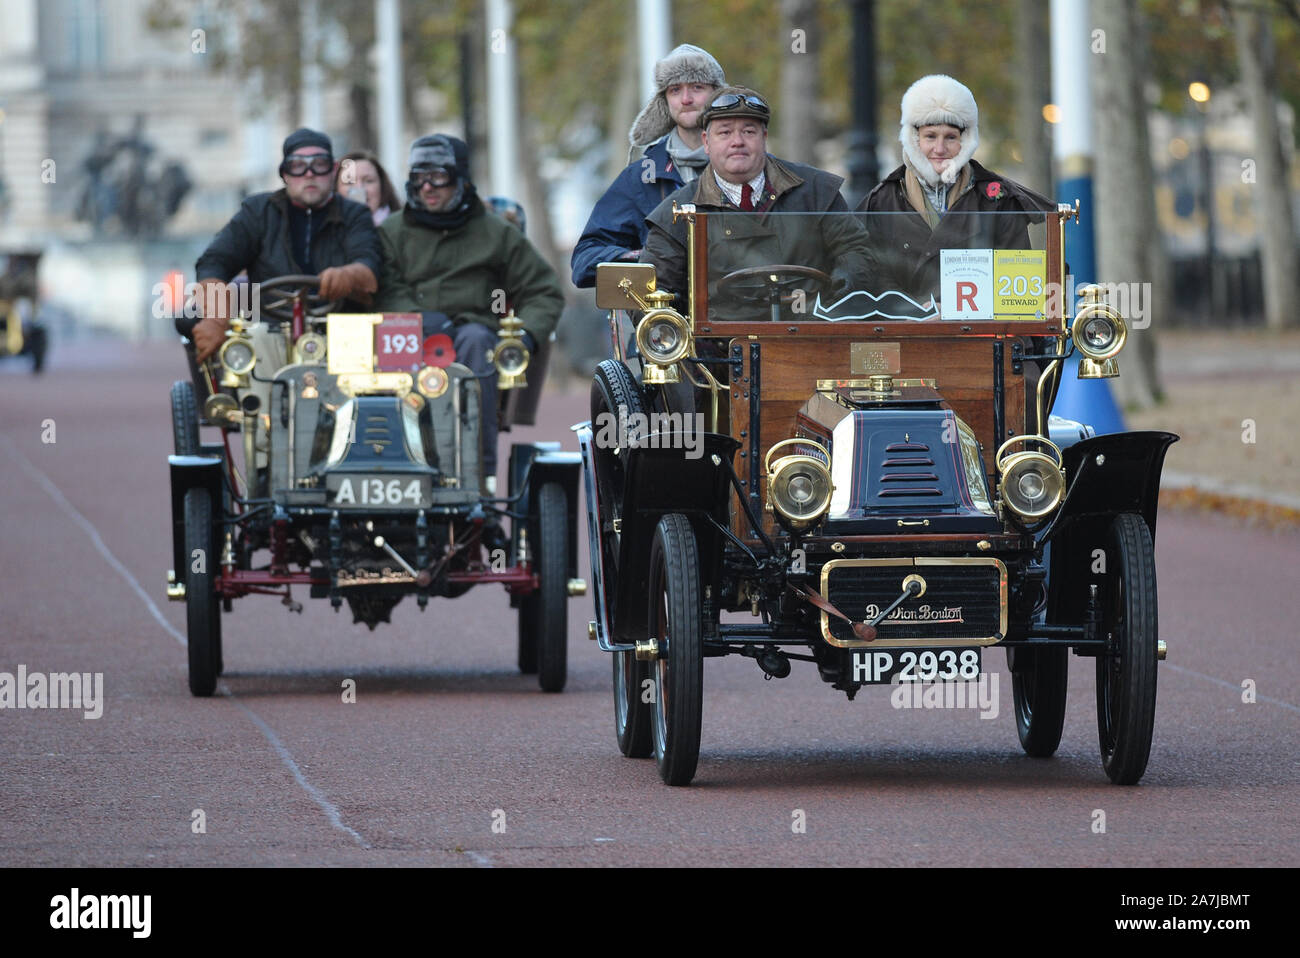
point(612, 390)
point(550, 536)
point(202, 611)
point(676, 621)
point(1126, 672)
point(185, 419)
point(1039, 679)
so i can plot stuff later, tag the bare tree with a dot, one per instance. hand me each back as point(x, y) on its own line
point(798, 103)
point(1129, 248)
point(1266, 170)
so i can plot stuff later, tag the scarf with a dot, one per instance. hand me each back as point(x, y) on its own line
point(689, 162)
point(924, 200)
point(463, 205)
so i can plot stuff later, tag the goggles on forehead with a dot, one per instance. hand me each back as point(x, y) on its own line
point(731, 100)
point(322, 164)
point(421, 178)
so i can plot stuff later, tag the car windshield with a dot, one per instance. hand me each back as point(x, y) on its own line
point(873, 267)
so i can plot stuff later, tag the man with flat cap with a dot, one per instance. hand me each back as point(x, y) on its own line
point(303, 228)
point(742, 177)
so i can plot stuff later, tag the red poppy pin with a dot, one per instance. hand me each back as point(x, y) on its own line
point(993, 190)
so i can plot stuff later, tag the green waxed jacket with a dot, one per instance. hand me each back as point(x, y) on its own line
point(460, 271)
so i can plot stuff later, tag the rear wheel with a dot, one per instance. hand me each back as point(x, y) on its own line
point(185, 419)
point(550, 536)
point(615, 394)
point(676, 623)
point(1038, 685)
point(202, 612)
point(1126, 672)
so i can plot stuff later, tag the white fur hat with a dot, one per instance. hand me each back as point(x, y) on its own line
point(938, 99)
point(685, 64)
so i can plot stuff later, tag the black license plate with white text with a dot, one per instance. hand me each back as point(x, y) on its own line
point(886, 666)
point(380, 491)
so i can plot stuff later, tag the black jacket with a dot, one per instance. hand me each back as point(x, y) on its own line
point(257, 239)
point(906, 251)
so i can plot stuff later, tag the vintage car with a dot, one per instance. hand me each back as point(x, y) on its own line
point(873, 481)
point(360, 477)
point(20, 333)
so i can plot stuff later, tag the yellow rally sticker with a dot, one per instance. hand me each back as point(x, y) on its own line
point(1019, 283)
point(351, 342)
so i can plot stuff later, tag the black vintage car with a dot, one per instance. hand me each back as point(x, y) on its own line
point(355, 472)
point(872, 483)
point(20, 333)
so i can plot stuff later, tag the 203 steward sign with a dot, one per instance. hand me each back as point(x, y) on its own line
point(992, 284)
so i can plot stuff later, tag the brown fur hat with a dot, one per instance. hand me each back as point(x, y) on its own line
point(685, 64)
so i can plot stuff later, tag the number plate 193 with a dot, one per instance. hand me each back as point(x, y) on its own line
point(401, 492)
point(881, 666)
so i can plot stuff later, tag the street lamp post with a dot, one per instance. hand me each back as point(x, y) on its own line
point(1199, 92)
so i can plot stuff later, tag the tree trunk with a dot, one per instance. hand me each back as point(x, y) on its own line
point(798, 104)
point(1265, 170)
point(1033, 92)
point(1129, 246)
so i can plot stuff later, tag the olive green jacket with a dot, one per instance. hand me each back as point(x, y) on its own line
point(472, 273)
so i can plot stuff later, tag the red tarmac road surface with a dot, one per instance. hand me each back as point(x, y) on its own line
point(446, 738)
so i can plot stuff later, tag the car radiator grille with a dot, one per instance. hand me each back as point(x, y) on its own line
point(961, 601)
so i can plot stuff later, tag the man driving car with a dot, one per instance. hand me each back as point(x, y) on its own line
point(304, 228)
point(743, 177)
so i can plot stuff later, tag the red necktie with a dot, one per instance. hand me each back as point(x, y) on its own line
point(746, 198)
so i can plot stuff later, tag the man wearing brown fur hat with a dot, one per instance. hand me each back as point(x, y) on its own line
point(669, 153)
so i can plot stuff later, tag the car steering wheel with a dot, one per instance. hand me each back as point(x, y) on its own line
point(770, 285)
point(288, 288)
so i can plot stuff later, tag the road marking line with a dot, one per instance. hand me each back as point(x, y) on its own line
point(331, 811)
point(1235, 688)
point(479, 859)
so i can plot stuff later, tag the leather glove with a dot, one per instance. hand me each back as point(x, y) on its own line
point(347, 282)
point(210, 332)
point(842, 283)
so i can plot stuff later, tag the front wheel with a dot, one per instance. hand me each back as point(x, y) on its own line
point(202, 612)
point(185, 419)
point(1038, 686)
point(1126, 672)
point(676, 623)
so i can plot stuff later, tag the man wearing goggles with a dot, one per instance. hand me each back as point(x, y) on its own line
point(743, 177)
point(461, 268)
point(304, 228)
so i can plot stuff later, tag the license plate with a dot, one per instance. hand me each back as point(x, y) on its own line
point(380, 491)
point(885, 666)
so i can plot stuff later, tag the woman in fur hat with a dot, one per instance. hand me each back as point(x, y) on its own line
point(939, 133)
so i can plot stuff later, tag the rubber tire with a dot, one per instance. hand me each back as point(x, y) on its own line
point(1126, 675)
point(185, 419)
point(1038, 688)
point(527, 637)
point(613, 386)
point(202, 610)
point(632, 716)
point(676, 620)
point(550, 538)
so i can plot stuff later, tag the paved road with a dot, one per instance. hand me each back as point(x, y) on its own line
point(446, 738)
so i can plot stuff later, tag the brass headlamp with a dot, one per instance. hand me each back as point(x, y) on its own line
point(238, 357)
point(1099, 333)
point(511, 356)
point(663, 338)
point(1033, 483)
point(798, 484)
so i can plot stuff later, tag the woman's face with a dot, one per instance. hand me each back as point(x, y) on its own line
point(361, 173)
point(939, 143)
